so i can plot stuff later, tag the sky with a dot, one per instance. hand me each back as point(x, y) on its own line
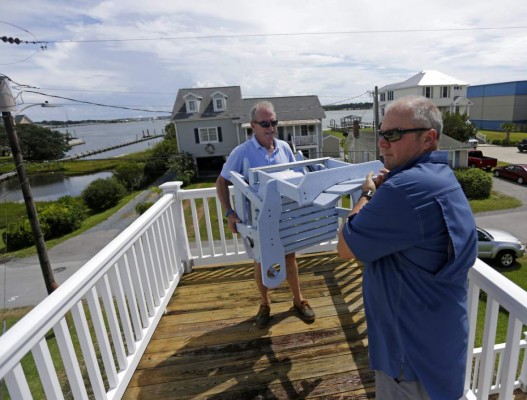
point(131, 54)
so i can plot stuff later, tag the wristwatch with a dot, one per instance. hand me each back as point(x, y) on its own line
point(368, 194)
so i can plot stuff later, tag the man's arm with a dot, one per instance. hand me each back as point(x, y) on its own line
point(370, 184)
point(222, 189)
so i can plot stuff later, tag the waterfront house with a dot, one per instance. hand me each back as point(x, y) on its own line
point(446, 92)
point(210, 122)
point(171, 315)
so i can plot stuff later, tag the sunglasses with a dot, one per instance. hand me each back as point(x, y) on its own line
point(266, 124)
point(393, 135)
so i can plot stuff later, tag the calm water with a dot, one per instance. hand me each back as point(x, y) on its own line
point(47, 187)
point(99, 136)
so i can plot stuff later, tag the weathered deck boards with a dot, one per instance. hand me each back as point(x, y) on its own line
point(207, 345)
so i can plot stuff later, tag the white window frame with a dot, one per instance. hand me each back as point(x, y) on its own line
point(428, 92)
point(206, 133)
point(383, 97)
point(390, 95)
point(442, 91)
point(191, 105)
point(219, 104)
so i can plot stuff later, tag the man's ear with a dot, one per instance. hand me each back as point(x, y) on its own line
point(430, 137)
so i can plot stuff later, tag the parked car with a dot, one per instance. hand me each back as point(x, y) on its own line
point(515, 172)
point(500, 246)
point(476, 159)
point(522, 146)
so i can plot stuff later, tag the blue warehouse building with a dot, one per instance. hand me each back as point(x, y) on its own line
point(496, 103)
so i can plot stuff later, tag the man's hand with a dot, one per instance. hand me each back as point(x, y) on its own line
point(232, 219)
point(372, 183)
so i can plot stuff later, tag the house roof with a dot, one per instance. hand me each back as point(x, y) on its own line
point(292, 108)
point(233, 110)
point(22, 119)
point(426, 78)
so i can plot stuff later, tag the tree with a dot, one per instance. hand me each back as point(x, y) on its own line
point(458, 127)
point(508, 127)
point(184, 166)
point(38, 143)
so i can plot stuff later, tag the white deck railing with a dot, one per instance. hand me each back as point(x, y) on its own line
point(127, 285)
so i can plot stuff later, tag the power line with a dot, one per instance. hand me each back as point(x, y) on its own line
point(362, 32)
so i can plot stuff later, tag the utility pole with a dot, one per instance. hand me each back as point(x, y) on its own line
point(6, 104)
point(376, 124)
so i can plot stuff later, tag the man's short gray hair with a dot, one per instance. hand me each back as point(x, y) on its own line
point(422, 111)
point(261, 105)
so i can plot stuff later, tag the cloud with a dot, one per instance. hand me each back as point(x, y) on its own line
point(344, 51)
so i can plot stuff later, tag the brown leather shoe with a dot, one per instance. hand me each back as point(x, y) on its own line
point(264, 316)
point(304, 310)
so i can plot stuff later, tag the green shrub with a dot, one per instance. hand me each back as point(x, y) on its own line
point(476, 183)
point(20, 235)
point(153, 169)
point(130, 175)
point(140, 208)
point(62, 217)
point(103, 194)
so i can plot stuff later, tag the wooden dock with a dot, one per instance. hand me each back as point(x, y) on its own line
point(207, 346)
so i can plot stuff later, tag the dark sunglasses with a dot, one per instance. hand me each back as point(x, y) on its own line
point(393, 135)
point(266, 124)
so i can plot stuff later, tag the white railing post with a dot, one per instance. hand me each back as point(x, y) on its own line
point(523, 372)
point(182, 244)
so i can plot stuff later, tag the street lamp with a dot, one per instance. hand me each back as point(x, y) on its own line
point(7, 104)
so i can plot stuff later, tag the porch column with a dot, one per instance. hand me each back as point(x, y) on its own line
point(182, 244)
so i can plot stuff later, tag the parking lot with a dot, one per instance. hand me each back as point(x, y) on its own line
point(506, 154)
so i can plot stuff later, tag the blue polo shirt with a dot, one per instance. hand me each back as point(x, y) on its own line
point(417, 240)
point(257, 155)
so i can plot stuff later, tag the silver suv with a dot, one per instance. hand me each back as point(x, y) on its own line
point(500, 246)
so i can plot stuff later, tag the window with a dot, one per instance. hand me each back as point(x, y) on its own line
point(208, 135)
point(383, 97)
point(281, 132)
point(457, 87)
point(219, 104)
point(191, 106)
point(390, 95)
point(428, 92)
point(444, 92)
point(303, 130)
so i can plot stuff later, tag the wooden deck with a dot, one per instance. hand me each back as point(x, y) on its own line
point(208, 347)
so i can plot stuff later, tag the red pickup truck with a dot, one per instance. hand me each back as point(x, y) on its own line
point(476, 159)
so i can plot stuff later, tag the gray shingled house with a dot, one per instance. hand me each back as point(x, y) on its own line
point(210, 122)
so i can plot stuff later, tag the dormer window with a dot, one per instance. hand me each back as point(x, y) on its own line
point(219, 101)
point(192, 102)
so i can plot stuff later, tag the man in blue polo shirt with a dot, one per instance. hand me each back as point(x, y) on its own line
point(261, 150)
point(414, 231)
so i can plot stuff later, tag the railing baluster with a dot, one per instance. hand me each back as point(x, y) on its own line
point(69, 359)
point(88, 351)
point(113, 322)
point(208, 225)
point(102, 337)
point(131, 300)
point(489, 337)
point(144, 278)
point(136, 286)
point(17, 384)
point(510, 357)
point(197, 232)
point(151, 266)
point(123, 311)
point(46, 370)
